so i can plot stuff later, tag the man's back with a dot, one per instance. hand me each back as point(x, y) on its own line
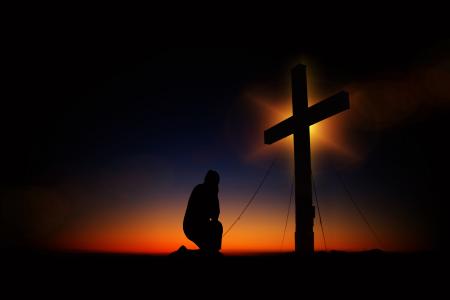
point(203, 205)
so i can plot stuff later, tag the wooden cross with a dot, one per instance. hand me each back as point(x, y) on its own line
point(298, 125)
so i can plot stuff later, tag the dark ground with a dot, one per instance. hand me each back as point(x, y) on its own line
point(362, 275)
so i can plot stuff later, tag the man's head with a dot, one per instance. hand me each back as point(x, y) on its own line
point(212, 178)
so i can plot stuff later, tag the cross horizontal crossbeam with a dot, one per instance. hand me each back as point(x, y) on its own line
point(314, 114)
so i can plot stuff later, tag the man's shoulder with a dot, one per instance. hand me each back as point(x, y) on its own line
point(198, 188)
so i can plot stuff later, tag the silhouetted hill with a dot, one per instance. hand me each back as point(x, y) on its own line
point(375, 271)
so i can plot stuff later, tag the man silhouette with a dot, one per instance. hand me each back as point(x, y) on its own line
point(201, 220)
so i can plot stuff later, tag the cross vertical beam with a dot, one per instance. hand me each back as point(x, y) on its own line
point(304, 210)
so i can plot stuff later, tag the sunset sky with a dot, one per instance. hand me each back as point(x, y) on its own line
point(105, 138)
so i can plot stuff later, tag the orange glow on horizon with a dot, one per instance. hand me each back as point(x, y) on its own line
point(159, 231)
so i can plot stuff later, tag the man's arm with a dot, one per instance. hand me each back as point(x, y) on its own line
point(215, 212)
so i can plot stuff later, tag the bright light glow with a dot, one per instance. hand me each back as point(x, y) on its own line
point(327, 137)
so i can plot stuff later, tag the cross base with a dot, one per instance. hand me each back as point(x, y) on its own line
point(304, 238)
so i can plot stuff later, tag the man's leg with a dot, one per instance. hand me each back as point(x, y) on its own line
point(198, 235)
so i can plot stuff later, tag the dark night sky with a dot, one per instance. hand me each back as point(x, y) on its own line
point(81, 103)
